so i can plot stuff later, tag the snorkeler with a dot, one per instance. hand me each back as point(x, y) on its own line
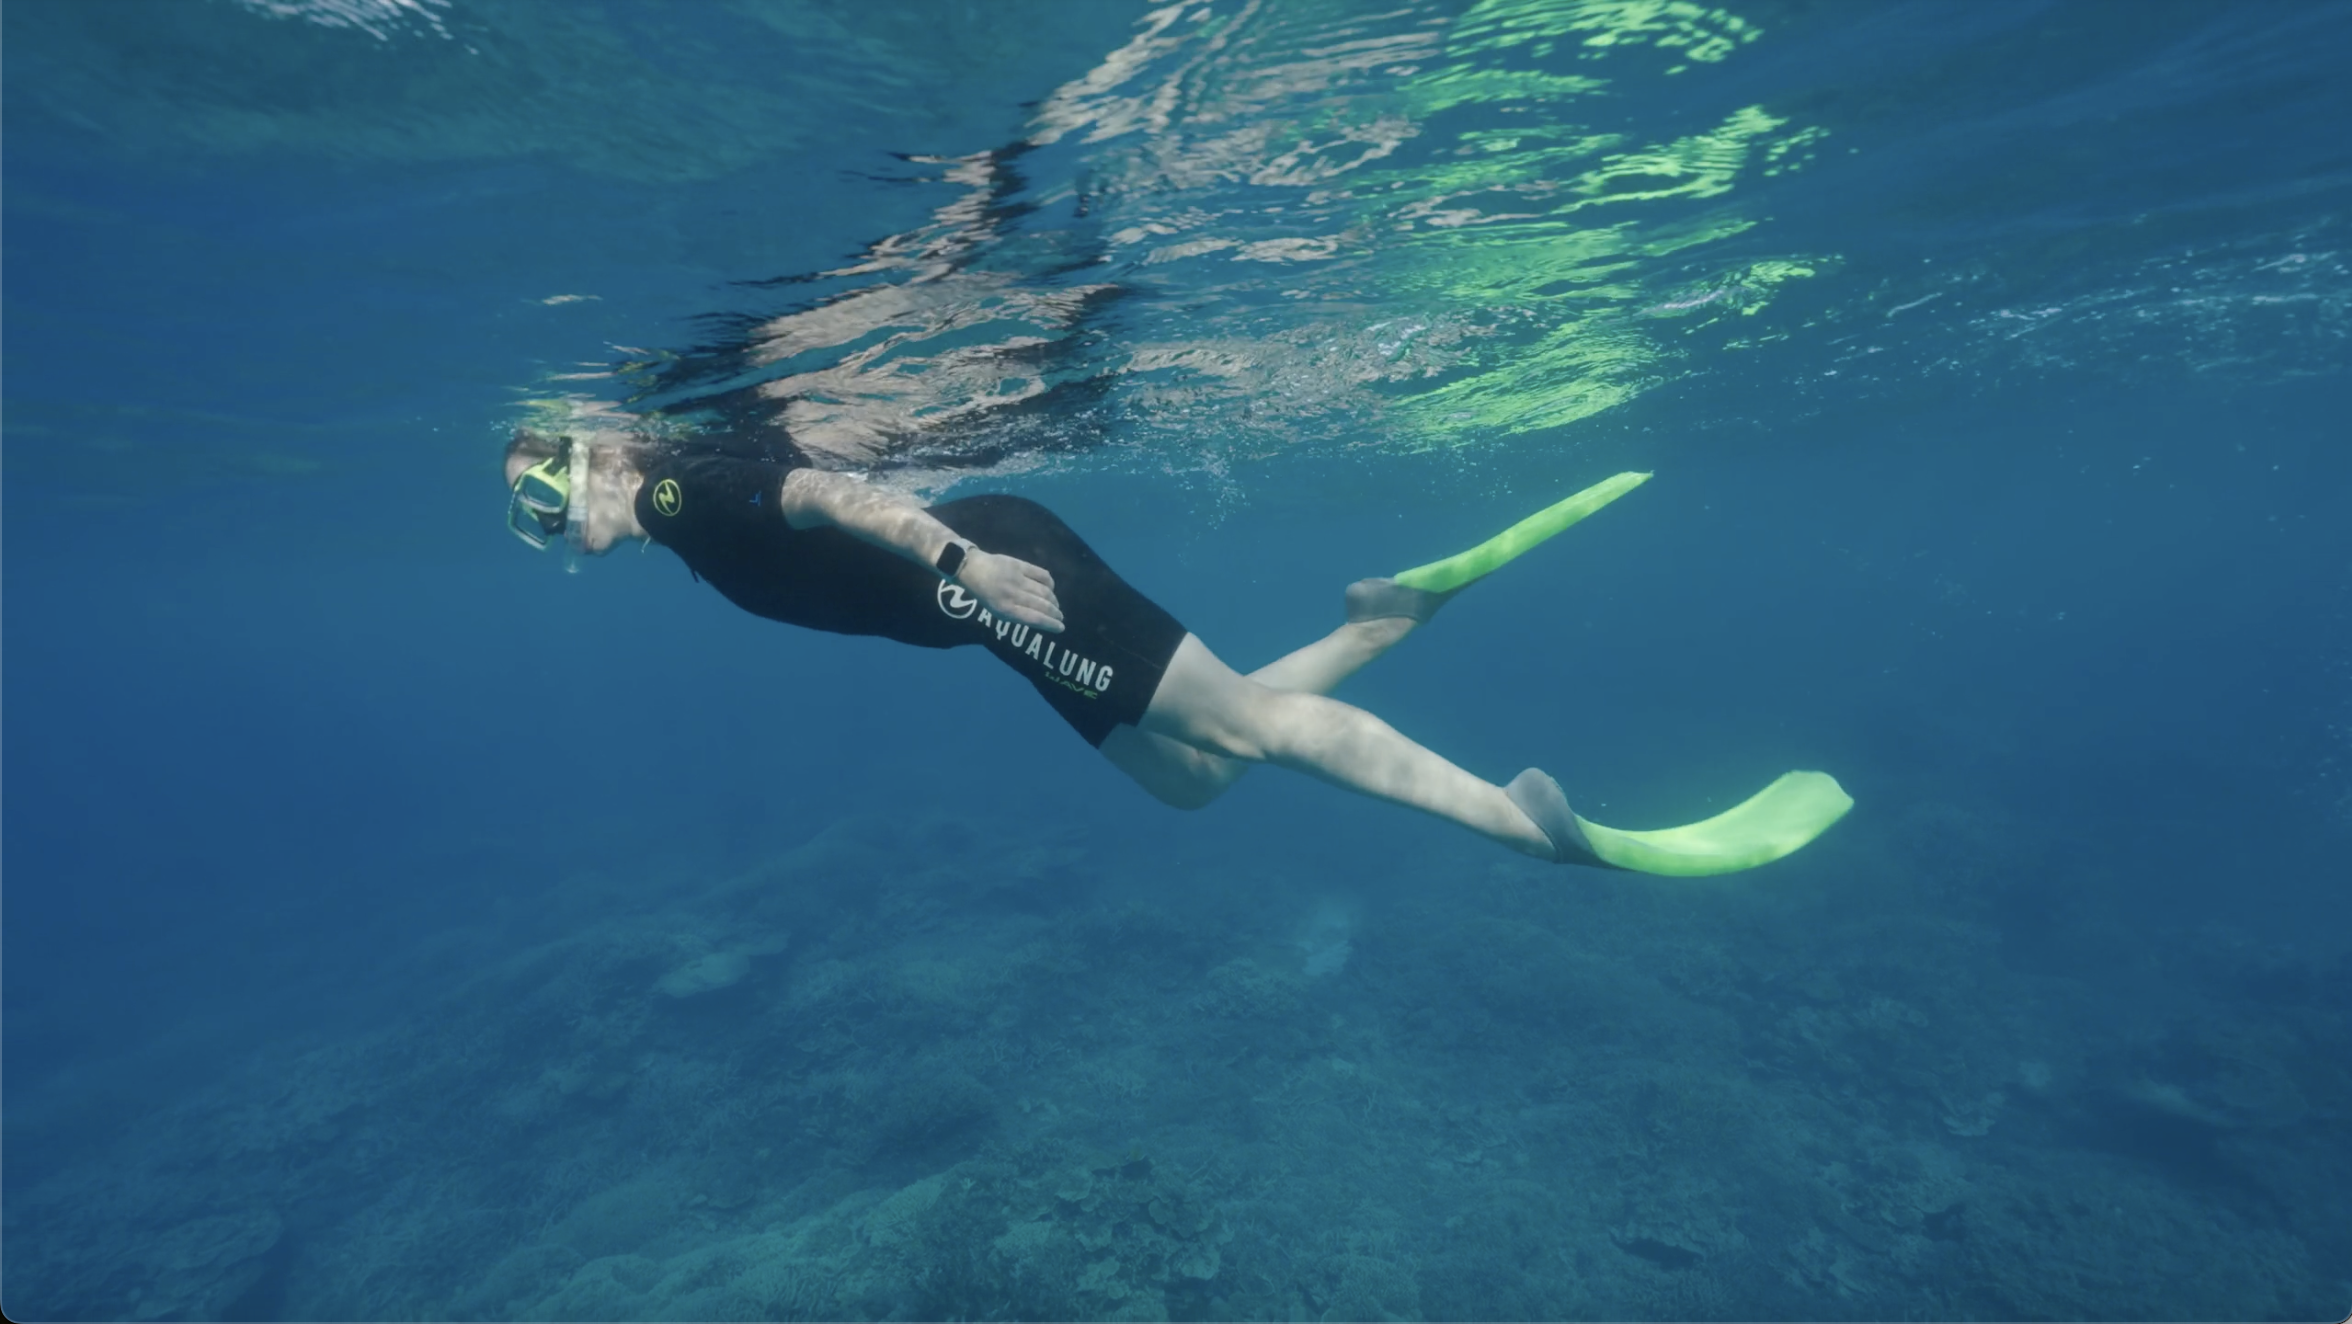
point(830, 551)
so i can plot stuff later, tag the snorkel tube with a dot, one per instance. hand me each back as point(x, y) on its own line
point(576, 457)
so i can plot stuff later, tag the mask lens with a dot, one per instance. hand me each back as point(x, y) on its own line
point(533, 490)
point(530, 525)
point(541, 494)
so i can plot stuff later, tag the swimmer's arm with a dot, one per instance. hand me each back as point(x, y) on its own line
point(898, 523)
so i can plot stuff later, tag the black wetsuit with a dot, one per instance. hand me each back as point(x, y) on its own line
point(720, 514)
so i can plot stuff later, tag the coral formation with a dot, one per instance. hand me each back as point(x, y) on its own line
point(1493, 1097)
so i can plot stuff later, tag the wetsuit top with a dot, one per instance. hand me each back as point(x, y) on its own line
point(720, 514)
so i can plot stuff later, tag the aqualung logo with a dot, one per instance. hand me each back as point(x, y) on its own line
point(958, 604)
point(1061, 666)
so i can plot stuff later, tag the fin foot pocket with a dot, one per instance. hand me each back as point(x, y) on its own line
point(1383, 599)
point(1542, 800)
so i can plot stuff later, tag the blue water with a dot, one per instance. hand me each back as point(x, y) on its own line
point(398, 926)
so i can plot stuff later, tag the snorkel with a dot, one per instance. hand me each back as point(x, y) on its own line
point(575, 509)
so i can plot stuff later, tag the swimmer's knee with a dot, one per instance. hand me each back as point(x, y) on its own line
point(1178, 789)
point(1171, 773)
point(1264, 725)
point(1196, 779)
point(1188, 798)
point(1207, 705)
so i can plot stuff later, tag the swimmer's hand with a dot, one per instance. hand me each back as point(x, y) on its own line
point(1012, 588)
point(897, 523)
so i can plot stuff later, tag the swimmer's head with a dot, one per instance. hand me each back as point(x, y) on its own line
point(580, 488)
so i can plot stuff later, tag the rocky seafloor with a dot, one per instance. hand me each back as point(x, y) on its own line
point(934, 1071)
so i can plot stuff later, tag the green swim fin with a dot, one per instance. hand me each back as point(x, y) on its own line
point(1487, 557)
point(1781, 818)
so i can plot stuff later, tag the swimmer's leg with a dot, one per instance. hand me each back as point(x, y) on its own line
point(1319, 667)
point(1215, 711)
point(1178, 774)
point(1220, 717)
point(1380, 613)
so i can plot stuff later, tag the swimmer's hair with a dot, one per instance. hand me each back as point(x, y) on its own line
point(643, 449)
point(531, 448)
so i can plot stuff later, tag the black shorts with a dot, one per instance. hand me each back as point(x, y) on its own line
point(1102, 669)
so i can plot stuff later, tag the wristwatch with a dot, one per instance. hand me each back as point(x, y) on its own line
point(951, 559)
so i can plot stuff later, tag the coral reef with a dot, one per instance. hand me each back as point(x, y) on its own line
point(999, 1077)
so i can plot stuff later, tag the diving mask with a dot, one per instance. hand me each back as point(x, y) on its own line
point(542, 496)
